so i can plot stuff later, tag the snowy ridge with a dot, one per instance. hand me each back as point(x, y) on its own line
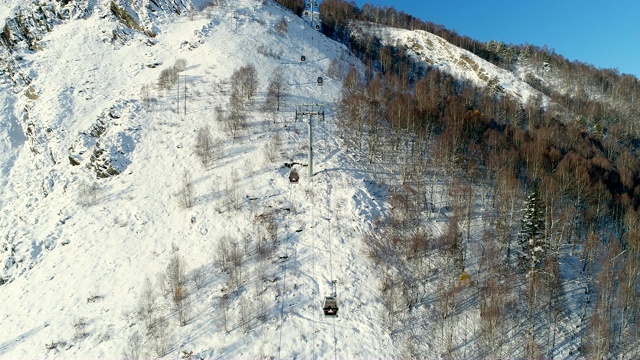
point(436, 52)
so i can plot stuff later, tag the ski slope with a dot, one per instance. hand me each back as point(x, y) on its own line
point(75, 270)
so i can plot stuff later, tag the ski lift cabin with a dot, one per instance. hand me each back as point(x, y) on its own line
point(330, 306)
point(293, 176)
point(320, 80)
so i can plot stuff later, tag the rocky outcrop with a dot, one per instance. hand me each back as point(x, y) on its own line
point(29, 23)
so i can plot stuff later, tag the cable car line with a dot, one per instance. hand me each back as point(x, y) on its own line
point(284, 279)
point(335, 295)
point(330, 305)
point(313, 259)
point(284, 282)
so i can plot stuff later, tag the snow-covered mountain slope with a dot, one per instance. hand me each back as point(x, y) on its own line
point(436, 52)
point(90, 203)
point(94, 159)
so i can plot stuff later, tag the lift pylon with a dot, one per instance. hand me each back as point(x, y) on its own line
point(310, 109)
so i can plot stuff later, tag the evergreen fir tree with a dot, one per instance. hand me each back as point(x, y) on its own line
point(531, 236)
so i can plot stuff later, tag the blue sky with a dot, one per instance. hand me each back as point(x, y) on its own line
point(605, 34)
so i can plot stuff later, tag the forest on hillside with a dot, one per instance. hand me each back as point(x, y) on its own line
point(556, 187)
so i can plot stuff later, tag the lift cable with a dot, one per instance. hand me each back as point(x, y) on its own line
point(333, 281)
point(284, 284)
point(284, 279)
point(313, 259)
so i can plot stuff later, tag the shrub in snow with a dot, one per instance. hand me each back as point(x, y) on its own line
point(180, 65)
point(80, 326)
point(283, 26)
point(89, 194)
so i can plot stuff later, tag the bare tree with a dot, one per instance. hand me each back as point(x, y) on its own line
point(276, 90)
point(452, 240)
point(198, 277)
point(245, 315)
point(250, 81)
point(535, 286)
point(186, 194)
point(224, 306)
point(552, 279)
point(446, 307)
point(219, 114)
point(245, 81)
point(237, 259)
point(222, 253)
point(160, 336)
point(271, 149)
point(180, 65)
point(168, 78)
point(180, 300)
point(133, 347)
point(206, 147)
point(235, 120)
point(177, 279)
point(508, 195)
point(161, 284)
point(283, 26)
point(262, 306)
point(336, 69)
point(145, 95)
point(176, 272)
point(492, 317)
point(231, 194)
point(627, 294)
point(147, 304)
point(599, 336)
point(268, 237)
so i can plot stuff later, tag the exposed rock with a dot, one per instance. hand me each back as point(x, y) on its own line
point(98, 128)
point(74, 161)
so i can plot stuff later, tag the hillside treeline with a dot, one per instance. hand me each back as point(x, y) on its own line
point(297, 6)
point(494, 135)
point(599, 100)
point(519, 166)
point(539, 143)
point(582, 83)
point(522, 164)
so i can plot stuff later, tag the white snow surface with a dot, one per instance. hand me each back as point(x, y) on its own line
point(74, 272)
point(6, 8)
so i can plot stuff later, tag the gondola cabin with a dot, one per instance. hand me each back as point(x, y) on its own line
point(293, 176)
point(330, 306)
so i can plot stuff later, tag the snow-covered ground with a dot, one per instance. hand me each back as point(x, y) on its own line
point(77, 249)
